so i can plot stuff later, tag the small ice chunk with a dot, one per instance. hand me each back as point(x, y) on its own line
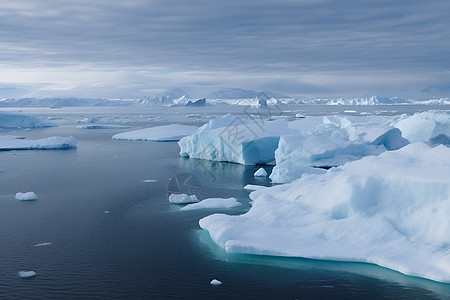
point(26, 274)
point(260, 173)
point(29, 196)
point(215, 282)
point(300, 116)
point(252, 187)
point(149, 180)
point(182, 198)
point(43, 244)
point(213, 203)
point(106, 211)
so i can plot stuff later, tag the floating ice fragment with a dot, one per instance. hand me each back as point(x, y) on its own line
point(26, 274)
point(252, 187)
point(166, 133)
point(260, 173)
point(29, 196)
point(106, 211)
point(215, 282)
point(182, 198)
point(43, 244)
point(213, 203)
point(149, 180)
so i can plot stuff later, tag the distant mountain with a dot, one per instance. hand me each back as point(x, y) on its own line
point(235, 93)
point(60, 102)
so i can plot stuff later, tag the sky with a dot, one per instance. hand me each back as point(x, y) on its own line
point(303, 48)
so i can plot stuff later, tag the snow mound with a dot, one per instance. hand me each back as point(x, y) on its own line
point(260, 173)
point(22, 121)
point(421, 127)
point(391, 210)
point(213, 203)
point(29, 196)
point(234, 139)
point(182, 198)
point(165, 133)
point(55, 142)
point(26, 274)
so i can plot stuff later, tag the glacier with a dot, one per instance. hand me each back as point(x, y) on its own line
point(391, 210)
point(236, 139)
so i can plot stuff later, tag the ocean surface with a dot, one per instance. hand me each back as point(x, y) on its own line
point(115, 236)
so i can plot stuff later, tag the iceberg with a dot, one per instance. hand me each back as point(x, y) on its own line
point(22, 121)
point(421, 127)
point(182, 198)
point(29, 196)
point(336, 141)
point(8, 142)
point(235, 139)
point(215, 282)
point(165, 133)
point(102, 126)
point(391, 210)
point(213, 203)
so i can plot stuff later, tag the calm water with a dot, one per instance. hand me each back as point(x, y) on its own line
point(145, 248)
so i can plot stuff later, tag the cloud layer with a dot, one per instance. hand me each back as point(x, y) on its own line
point(314, 47)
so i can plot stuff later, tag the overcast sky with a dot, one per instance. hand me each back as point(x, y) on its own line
point(311, 48)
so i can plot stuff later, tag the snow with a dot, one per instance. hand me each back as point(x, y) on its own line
point(165, 133)
point(8, 120)
point(391, 210)
point(421, 127)
point(102, 126)
point(215, 282)
point(213, 203)
point(8, 142)
point(234, 139)
point(260, 173)
point(182, 198)
point(29, 196)
point(26, 274)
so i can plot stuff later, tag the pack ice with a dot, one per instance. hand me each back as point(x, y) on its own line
point(391, 210)
point(235, 139)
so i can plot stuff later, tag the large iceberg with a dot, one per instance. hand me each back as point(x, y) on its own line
point(165, 133)
point(235, 139)
point(391, 210)
point(334, 142)
point(8, 142)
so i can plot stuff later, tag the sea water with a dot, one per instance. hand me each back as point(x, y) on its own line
point(105, 228)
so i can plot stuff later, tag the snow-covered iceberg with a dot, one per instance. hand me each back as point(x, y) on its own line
point(235, 139)
point(8, 120)
point(391, 210)
point(8, 142)
point(165, 133)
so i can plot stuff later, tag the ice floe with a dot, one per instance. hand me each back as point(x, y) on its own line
point(215, 282)
point(102, 126)
point(8, 142)
point(9, 120)
point(26, 274)
point(165, 133)
point(42, 244)
point(182, 199)
point(391, 210)
point(213, 203)
point(28, 196)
